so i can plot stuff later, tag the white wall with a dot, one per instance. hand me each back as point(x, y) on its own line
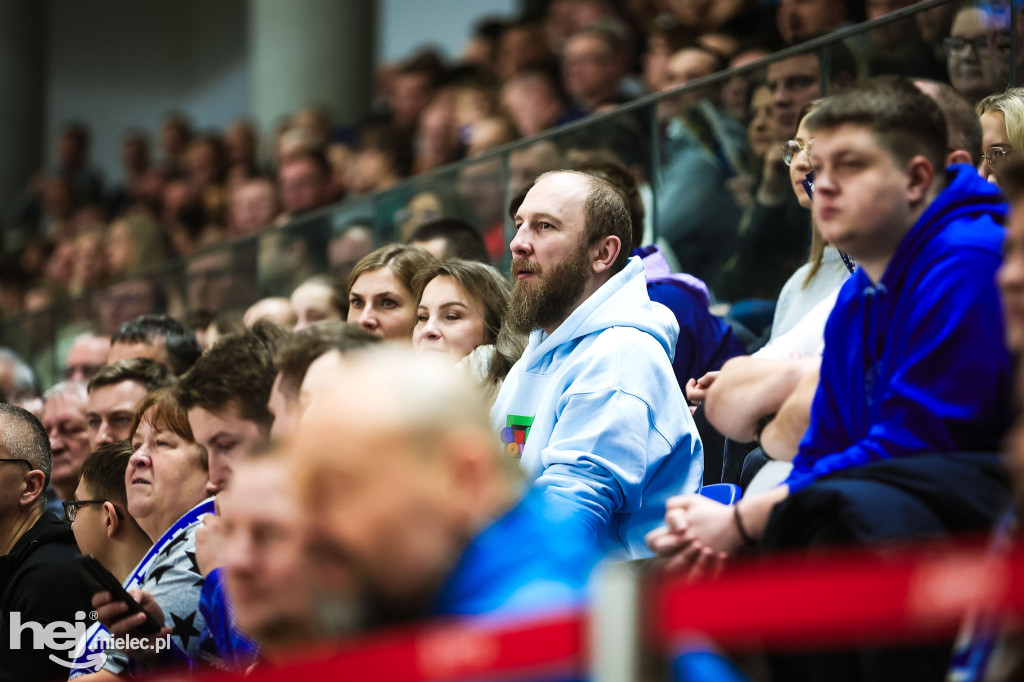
point(404, 25)
point(116, 64)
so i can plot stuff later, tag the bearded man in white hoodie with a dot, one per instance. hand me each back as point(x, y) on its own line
point(592, 409)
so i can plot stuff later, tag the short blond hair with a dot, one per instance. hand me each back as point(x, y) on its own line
point(1011, 103)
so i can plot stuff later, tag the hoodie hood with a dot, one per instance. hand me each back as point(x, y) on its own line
point(966, 199)
point(658, 271)
point(631, 307)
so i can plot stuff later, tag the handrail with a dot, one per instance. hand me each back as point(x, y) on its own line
point(503, 151)
point(910, 595)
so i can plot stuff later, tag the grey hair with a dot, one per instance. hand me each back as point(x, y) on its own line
point(73, 388)
point(23, 437)
point(25, 385)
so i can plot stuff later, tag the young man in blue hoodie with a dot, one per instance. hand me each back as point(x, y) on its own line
point(592, 409)
point(915, 360)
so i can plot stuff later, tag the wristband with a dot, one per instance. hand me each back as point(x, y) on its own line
point(747, 540)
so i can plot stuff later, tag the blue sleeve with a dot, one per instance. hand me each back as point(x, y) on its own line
point(234, 648)
point(596, 458)
point(947, 393)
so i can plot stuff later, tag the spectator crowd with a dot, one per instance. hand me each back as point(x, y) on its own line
point(803, 282)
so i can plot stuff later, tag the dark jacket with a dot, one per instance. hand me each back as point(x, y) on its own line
point(39, 582)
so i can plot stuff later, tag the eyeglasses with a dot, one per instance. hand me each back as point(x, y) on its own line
point(996, 158)
point(23, 461)
point(71, 508)
point(791, 148)
point(961, 47)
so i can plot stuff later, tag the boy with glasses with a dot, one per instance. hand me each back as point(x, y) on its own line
point(103, 528)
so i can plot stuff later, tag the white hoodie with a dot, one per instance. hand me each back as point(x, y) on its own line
point(596, 414)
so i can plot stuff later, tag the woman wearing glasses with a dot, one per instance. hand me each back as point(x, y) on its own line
point(825, 270)
point(1002, 131)
point(166, 492)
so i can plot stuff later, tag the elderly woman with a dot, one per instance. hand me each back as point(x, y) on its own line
point(166, 484)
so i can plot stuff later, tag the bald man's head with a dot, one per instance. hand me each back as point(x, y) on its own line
point(396, 470)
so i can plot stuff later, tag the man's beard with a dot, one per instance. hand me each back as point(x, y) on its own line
point(545, 305)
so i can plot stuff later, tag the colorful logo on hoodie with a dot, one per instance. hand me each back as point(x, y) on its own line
point(515, 433)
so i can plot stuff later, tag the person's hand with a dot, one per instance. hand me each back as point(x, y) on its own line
point(112, 615)
point(697, 389)
point(679, 552)
point(209, 540)
point(707, 523)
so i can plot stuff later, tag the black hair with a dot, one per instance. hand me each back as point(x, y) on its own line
point(181, 344)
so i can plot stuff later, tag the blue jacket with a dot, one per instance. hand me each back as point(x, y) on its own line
point(917, 362)
point(524, 563)
point(596, 415)
point(705, 340)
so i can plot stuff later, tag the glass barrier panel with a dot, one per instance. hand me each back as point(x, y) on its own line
point(223, 279)
point(286, 256)
point(481, 190)
point(353, 235)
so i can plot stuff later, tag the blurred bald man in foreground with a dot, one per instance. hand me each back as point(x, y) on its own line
point(410, 509)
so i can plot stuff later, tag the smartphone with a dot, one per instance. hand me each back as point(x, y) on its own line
point(102, 581)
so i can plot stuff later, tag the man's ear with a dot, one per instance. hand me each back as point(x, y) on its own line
point(959, 156)
point(920, 176)
point(604, 253)
point(34, 485)
point(110, 519)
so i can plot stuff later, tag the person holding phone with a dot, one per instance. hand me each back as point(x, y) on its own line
point(166, 483)
point(104, 529)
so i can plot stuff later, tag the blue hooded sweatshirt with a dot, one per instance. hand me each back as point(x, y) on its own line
point(917, 363)
point(597, 417)
point(547, 572)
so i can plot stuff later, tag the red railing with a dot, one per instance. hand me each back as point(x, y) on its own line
point(916, 594)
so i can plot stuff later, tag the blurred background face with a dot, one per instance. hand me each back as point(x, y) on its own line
point(120, 248)
point(448, 320)
point(794, 83)
point(211, 281)
point(64, 422)
point(85, 357)
point(303, 186)
point(762, 130)
point(801, 18)
point(264, 571)
point(253, 207)
point(311, 303)
point(589, 68)
point(967, 55)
